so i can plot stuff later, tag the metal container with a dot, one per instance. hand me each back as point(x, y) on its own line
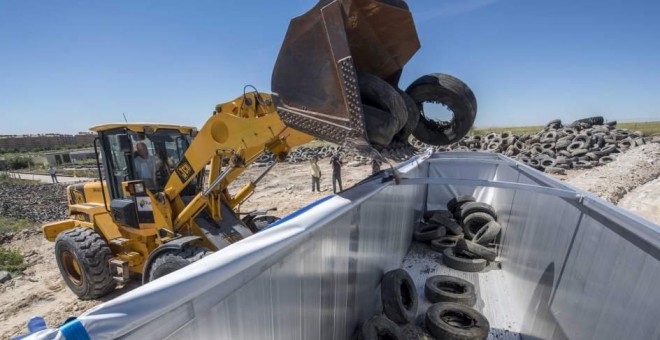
point(572, 265)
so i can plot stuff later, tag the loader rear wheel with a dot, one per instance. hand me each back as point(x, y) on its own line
point(450, 92)
point(83, 259)
point(175, 259)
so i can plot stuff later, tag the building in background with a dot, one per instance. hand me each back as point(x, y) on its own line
point(49, 141)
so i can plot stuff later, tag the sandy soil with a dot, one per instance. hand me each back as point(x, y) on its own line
point(41, 291)
point(644, 201)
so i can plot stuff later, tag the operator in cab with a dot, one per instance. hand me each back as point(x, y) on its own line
point(145, 165)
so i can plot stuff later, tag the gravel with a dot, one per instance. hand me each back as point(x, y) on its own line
point(34, 202)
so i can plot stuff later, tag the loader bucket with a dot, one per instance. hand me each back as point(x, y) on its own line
point(315, 76)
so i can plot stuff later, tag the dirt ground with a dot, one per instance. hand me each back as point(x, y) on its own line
point(632, 181)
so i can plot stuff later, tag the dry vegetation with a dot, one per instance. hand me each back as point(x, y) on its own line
point(648, 128)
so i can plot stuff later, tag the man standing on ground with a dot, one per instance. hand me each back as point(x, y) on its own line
point(316, 174)
point(336, 163)
point(52, 171)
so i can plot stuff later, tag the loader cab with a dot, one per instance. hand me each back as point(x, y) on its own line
point(146, 152)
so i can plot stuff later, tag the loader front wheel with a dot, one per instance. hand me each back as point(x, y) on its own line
point(175, 259)
point(83, 259)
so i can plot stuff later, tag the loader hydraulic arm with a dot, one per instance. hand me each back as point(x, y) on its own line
point(240, 130)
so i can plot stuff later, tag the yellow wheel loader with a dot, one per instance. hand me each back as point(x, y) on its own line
point(162, 201)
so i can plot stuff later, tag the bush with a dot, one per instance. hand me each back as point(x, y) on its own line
point(11, 260)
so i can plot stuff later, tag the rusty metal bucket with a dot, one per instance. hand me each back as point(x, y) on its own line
point(315, 81)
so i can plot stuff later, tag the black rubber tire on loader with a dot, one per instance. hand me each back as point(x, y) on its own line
point(445, 288)
point(175, 259)
point(411, 122)
point(454, 321)
point(385, 111)
point(463, 263)
point(83, 257)
point(379, 327)
point(451, 92)
point(399, 296)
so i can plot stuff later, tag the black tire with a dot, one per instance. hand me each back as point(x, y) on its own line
point(261, 222)
point(453, 321)
point(458, 201)
point(476, 249)
point(411, 122)
point(175, 259)
point(429, 214)
point(474, 222)
point(444, 288)
point(381, 126)
point(379, 327)
point(384, 109)
point(555, 122)
point(429, 232)
point(463, 263)
point(487, 233)
point(449, 223)
point(399, 296)
point(475, 207)
point(83, 259)
point(606, 159)
point(451, 92)
point(444, 242)
point(597, 120)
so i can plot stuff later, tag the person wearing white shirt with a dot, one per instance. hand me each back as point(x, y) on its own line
point(145, 165)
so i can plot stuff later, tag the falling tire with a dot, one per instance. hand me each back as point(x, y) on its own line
point(385, 111)
point(455, 95)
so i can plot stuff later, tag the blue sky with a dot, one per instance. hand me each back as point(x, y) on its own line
point(68, 65)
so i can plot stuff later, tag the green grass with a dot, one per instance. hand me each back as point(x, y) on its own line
point(11, 260)
point(648, 128)
point(10, 224)
point(516, 130)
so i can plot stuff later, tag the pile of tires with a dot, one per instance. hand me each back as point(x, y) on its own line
point(466, 233)
point(397, 151)
point(450, 316)
point(582, 144)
